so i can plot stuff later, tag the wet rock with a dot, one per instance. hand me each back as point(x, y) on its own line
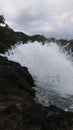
point(18, 110)
point(58, 119)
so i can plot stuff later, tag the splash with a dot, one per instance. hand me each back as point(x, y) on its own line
point(51, 69)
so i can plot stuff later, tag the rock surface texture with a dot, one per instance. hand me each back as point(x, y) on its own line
point(18, 110)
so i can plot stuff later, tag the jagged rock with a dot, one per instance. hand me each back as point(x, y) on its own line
point(18, 110)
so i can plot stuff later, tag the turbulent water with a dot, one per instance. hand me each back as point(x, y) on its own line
point(51, 69)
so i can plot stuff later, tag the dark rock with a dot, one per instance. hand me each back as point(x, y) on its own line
point(10, 109)
point(58, 119)
point(12, 74)
point(18, 110)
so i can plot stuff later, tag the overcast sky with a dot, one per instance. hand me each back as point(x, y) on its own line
point(48, 17)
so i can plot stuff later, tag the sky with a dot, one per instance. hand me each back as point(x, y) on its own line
point(52, 18)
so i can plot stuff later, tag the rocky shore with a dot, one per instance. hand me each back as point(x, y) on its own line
point(18, 110)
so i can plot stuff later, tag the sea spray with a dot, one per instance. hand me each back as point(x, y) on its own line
point(51, 69)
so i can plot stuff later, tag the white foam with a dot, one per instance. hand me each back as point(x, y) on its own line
point(49, 66)
point(47, 63)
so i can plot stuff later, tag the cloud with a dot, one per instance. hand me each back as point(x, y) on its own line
point(48, 17)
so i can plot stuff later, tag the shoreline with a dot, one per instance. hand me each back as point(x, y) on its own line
point(18, 110)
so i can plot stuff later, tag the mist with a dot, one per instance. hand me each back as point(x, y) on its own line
point(52, 71)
